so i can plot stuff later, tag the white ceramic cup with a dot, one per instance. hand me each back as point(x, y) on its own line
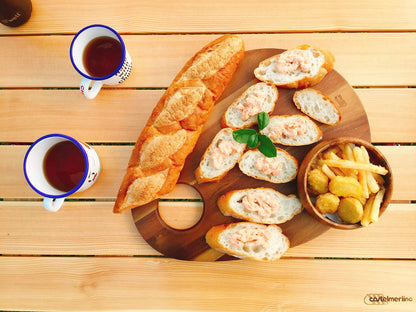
point(78, 45)
point(35, 175)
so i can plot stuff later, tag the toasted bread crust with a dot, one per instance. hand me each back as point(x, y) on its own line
point(185, 105)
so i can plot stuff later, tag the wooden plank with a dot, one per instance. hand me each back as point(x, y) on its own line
point(144, 284)
point(158, 58)
point(221, 16)
point(123, 113)
point(90, 228)
point(114, 160)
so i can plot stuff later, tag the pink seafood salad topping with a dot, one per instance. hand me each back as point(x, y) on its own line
point(224, 149)
point(252, 105)
point(269, 165)
point(290, 129)
point(260, 203)
point(292, 60)
point(250, 238)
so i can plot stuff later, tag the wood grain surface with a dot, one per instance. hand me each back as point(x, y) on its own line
point(221, 16)
point(86, 258)
point(189, 244)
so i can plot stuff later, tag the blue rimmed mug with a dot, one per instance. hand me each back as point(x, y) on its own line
point(78, 45)
point(33, 167)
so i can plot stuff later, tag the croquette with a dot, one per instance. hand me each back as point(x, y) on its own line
point(327, 203)
point(317, 182)
point(350, 210)
point(345, 187)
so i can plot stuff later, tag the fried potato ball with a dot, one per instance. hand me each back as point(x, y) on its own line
point(317, 182)
point(350, 210)
point(345, 187)
point(327, 203)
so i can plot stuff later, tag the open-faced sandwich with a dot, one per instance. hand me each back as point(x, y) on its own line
point(248, 240)
point(294, 130)
point(242, 113)
point(301, 67)
point(220, 157)
point(262, 205)
point(279, 169)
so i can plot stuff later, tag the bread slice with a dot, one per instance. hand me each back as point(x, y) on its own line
point(262, 205)
point(307, 67)
point(285, 165)
point(242, 113)
point(294, 130)
point(317, 105)
point(220, 157)
point(248, 240)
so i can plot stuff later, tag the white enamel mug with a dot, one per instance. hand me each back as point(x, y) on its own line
point(33, 167)
point(78, 45)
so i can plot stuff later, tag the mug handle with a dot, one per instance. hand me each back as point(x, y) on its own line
point(52, 204)
point(85, 88)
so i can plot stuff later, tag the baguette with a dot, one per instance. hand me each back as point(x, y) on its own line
point(176, 122)
point(294, 130)
point(280, 169)
point(248, 240)
point(242, 113)
point(220, 157)
point(317, 105)
point(261, 205)
point(301, 67)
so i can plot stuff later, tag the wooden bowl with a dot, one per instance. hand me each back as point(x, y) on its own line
point(376, 158)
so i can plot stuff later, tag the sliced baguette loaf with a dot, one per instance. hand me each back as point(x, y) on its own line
point(220, 157)
point(262, 205)
point(242, 113)
point(317, 105)
point(248, 240)
point(280, 169)
point(294, 130)
point(301, 67)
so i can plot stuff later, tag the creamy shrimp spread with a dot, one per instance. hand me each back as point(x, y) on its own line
point(260, 203)
point(290, 129)
point(269, 165)
point(292, 60)
point(252, 105)
point(250, 238)
point(223, 149)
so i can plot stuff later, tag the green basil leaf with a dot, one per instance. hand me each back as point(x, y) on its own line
point(266, 146)
point(263, 120)
point(243, 135)
point(253, 140)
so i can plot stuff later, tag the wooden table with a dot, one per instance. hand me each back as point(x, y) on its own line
point(84, 257)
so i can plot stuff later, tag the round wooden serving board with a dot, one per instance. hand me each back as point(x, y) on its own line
point(190, 244)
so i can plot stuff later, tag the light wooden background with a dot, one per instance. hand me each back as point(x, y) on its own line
point(86, 258)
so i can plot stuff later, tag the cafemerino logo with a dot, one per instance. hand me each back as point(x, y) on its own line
point(380, 299)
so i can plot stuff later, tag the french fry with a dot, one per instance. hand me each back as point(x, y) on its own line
point(325, 169)
point(348, 151)
point(379, 179)
point(375, 209)
point(365, 221)
point(362, 174)
point(348, 164)
point(372, 183)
